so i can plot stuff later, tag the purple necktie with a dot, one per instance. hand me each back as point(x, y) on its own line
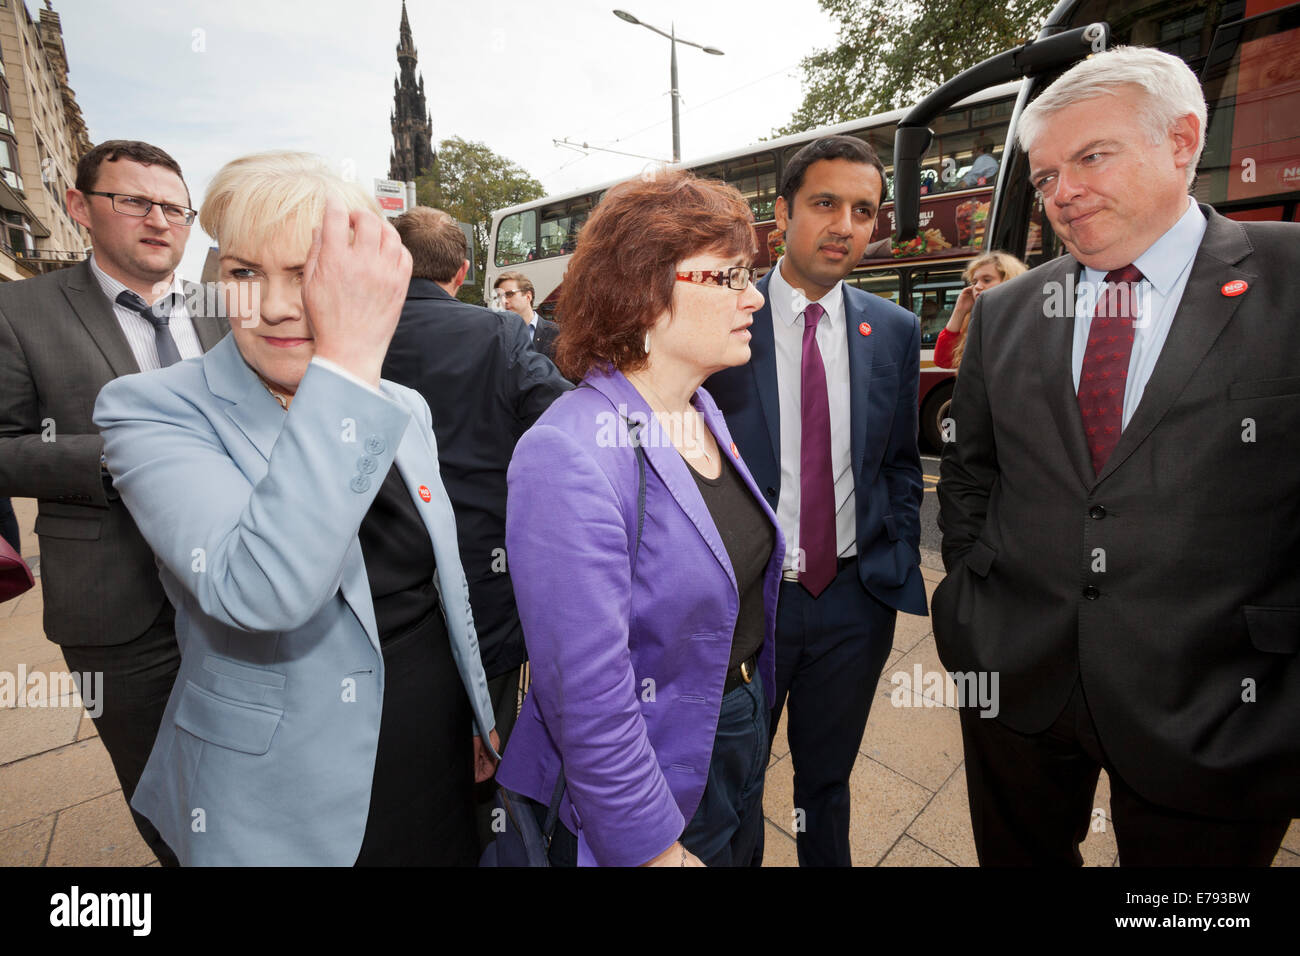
point(1105, 364)
point(816, 486)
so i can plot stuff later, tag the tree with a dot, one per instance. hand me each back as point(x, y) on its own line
point(891, 53)
point(471, 182)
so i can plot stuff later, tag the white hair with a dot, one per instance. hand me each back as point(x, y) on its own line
point(278, 195)
point(1169, 91)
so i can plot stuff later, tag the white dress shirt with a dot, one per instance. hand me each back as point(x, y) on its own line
point(139, 331)
point(787, 306)
point(1165, 267)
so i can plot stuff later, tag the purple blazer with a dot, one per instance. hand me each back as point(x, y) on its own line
point(627, 670)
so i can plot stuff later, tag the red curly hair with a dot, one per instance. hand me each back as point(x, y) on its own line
point(621, 277)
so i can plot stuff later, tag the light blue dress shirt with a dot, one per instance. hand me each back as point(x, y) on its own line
point(1165, 266)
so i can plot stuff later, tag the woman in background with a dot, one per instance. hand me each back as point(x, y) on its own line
point(984, 272)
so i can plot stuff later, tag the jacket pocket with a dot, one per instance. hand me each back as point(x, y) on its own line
point(1275, 630)
point(227, 723)
point(77, 529)
point(980, 559)
point(1264, 388)
point(240, 681)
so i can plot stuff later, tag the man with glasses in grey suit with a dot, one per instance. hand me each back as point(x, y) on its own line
point(62, 337)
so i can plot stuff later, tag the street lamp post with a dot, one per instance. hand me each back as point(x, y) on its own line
point(674, 39)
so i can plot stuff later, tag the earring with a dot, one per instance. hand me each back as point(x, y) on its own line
point(647, 342)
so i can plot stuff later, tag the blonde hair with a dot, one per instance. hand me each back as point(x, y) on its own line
point(276, 196)
point(1008, 267)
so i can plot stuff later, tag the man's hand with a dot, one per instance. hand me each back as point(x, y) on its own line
point(353, 290)
point(485, 765)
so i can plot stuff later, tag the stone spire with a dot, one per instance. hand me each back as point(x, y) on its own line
point(412, 153)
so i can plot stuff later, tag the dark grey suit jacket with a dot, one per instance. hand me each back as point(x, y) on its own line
point(1169, 583)
point(59, 344)
point(544, 340)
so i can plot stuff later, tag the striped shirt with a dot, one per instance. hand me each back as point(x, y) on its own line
point(139, 331)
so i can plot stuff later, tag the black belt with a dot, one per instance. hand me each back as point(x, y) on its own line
point(742, 673)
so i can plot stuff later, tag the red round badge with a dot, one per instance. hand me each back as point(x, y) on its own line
point(425, 494)
point(864, 329)
point(1235, 287)
point(734, 452)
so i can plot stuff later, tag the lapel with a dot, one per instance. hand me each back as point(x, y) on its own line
point(862, 349)
point(96, 314)
point(253, 410)
point(1056, 337)
point(663, 458)
point(1203, 313)
point(762, 365)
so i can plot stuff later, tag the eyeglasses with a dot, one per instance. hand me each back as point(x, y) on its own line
point(140, 207)
point(737, 278)
point(511, 294)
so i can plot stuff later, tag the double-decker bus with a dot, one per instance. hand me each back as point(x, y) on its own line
point(1246, 54)
point(537, 238)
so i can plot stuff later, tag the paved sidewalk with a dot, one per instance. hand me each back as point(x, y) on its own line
point(60, 804)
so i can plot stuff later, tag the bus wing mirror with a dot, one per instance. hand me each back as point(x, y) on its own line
point(913, 137)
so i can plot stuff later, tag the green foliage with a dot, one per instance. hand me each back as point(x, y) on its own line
point(471, 182)
point(891, 53)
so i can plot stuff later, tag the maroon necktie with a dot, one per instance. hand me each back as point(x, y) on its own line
point(1105, 364)
point(816, 486)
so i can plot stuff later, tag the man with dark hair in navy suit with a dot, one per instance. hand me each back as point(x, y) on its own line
point(825, 417)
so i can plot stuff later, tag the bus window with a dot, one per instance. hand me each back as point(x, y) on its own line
point(934, 295)
point(517, 238)
point(560, 226)
point(755, 177)
point(883, 284)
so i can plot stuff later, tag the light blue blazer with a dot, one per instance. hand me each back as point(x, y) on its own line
point(267, 747)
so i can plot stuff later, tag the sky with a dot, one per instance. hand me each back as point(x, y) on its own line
point(211, 80)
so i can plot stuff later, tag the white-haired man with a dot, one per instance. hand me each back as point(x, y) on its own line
point(1120, 506)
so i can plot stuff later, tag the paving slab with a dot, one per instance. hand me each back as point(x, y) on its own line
point(944, 825)
point(910, 630)
point(26, 731)
point(99, 832)
point(27, 843)
point(922, 743)
point(907, 852)
point(49, 782)
point(778, 846)
point(884, 804)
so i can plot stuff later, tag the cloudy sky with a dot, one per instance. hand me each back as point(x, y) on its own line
point(210, 80)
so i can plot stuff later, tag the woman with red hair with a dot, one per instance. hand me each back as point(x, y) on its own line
point(645, 562)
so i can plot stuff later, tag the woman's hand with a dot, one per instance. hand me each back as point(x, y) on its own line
point(962, 310)
point(485, 765)
point(353, 290)
point(675, 855)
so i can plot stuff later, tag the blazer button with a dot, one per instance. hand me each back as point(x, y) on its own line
point(1097, 511)
point(360, 484)
point(771, 492)
point(375, 445)
point(1091, 593)
point(367, 464)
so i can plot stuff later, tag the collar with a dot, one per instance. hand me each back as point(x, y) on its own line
point(112, 288)
point(1169, 256)
point(781, 299)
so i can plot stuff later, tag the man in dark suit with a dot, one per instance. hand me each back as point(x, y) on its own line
point(515, 292)
point(825, 417)
point(486, 386)
point(1119, 502)
point(62, 337)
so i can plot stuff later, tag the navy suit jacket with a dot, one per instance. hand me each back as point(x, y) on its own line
point(884, 372)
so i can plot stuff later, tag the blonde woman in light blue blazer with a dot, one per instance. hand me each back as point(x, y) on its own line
point(249, 471)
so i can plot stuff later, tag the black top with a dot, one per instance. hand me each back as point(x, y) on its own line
point(749, 539)
point(486, 386)
point(399, 559)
